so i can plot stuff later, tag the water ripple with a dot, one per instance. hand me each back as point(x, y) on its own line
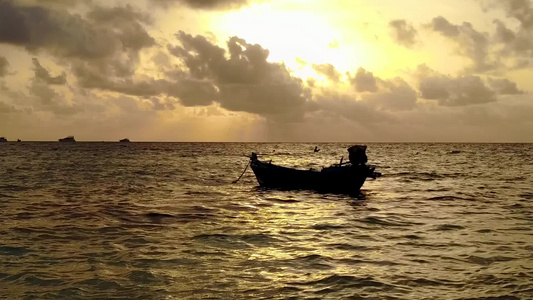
point(164, 221)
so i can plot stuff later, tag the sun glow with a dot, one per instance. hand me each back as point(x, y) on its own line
point(297, 38)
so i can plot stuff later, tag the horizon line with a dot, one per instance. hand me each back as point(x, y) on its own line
point(303, 142)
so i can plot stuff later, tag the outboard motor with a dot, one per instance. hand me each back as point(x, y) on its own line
point(357, 155)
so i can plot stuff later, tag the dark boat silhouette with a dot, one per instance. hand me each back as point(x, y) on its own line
point(68, 139)
point(342, 178)
point(3, 139)
point(18, 140)
point(124, 140)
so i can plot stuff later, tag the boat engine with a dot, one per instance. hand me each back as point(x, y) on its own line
point(357, 155)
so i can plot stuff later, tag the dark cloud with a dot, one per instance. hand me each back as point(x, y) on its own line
point(440, 24)
point(6, 108)
point(364, 81)
point(403, 33)
point(89, 78)
point(245, 79)
point(192, 92)
point(521, 10)
point(396, 94)
point(71, 35)
point(448, 91)
point(127, 24)
point(515, 43)
point(503, 34)
point(204, 4)
point(329, 71)
point(57, 3)
point(332, 105)
point(471, 43)
point(517, 46)
point(4, 64)
point(43, 74)
point(504, 86)
point(115, 69)
point(56, 30)
point(46, 95)
point(46, 98)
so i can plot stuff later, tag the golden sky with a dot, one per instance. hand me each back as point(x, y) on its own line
point(279, 70)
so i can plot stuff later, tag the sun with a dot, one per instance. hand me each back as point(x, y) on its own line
point(293, 37)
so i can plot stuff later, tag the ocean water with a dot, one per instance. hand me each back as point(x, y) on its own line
point(165, 221)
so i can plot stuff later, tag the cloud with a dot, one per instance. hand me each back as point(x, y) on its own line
point(6, 108)
point(48, 99)
point(70, 35)
point(517, 46)
point(43, 74)
point(470, 43)
point(504, 86)
point(403, 33)
point(127, 24)
point(333, 105)
point(521, 10)
point(193, 92)
point(503, 34)
point(4, 64)
point(328, 70)
point(204, 4)
point(239, 79)
point(37, 27)
point(57, 3)
point(364, 81)
point(395, 95)
point(440, 24)
point(390, 94)
point(449, 91)
point(245, 79)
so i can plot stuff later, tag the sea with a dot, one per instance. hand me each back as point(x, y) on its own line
point(105, 220)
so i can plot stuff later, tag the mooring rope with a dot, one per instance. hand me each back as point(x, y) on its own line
point(246, 168)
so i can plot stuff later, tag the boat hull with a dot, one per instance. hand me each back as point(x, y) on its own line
point(68, 139)
point(335, 179)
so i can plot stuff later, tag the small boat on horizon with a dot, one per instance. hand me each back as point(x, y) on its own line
point(3, 139)
point(68, 139)
point(18, 140)
point(126, 140)
point(341, 178)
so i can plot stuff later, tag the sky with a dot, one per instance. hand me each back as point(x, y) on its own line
point(267, 70)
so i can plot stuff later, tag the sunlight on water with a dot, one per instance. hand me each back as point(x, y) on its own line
point(165, 221)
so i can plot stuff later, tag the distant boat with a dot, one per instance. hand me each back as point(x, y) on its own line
point(3, 139)
point(124, 141)
point(18, 140)
point(69, 138)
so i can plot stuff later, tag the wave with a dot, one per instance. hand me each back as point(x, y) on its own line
point(237, 240)
point(448, 198)
point(345, 280)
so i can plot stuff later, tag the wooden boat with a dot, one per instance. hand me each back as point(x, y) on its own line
point(69, 138)
point(347, 178)
point(124, 140)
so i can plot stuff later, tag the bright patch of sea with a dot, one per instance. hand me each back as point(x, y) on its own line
point(165, 221)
